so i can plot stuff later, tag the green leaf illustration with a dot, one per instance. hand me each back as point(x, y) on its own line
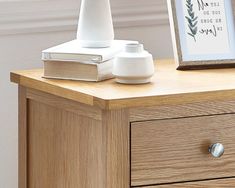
point(192, 20)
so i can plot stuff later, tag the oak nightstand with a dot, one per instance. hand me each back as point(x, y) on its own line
point(106, 135)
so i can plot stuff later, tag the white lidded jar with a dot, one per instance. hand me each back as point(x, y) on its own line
point(95, 27)
point(134, 65)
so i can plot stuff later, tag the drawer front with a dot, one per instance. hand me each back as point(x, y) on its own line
point(225, 183)
point(176, 150)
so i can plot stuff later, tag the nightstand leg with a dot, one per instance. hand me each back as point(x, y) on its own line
point(118, 148)
point(22, 133)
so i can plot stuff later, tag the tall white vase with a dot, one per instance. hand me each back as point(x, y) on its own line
point(95, 27)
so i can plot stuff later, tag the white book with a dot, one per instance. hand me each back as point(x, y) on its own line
point(72, 51)
point(78, 71)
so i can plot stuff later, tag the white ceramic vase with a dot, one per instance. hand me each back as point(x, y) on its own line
point(134, 65)
point(95, 27)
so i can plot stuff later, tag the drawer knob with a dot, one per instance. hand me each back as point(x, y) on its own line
point(216, 150)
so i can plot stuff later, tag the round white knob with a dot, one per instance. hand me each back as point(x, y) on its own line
point(216, 150)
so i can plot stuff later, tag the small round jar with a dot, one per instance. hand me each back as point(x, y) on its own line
point(134, 65)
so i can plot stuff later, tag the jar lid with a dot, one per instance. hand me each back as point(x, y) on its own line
point(134, 48)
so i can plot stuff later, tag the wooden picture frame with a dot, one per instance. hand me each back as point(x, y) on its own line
point(203, 33)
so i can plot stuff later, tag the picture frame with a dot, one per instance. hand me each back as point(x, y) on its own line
point(203, 33)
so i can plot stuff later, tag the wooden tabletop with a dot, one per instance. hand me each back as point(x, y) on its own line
point(168, 86)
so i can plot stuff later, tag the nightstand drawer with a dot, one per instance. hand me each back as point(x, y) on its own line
point(176, 150)
point(221, 183)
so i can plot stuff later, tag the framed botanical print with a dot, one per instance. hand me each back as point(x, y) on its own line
point(203, 33)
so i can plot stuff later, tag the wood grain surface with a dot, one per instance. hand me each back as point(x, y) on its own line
point(118, 148)
point(22, 138)
point(168, 86)
point(71, 150)
point(222, 183)
point(65, 104)
point(182, 110)
point(176, 150)
point(65, 150)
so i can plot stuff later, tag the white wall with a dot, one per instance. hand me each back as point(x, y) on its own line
point(156, 38)
point(25, 34)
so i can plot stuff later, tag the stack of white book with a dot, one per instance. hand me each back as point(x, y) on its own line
point(71, 61)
